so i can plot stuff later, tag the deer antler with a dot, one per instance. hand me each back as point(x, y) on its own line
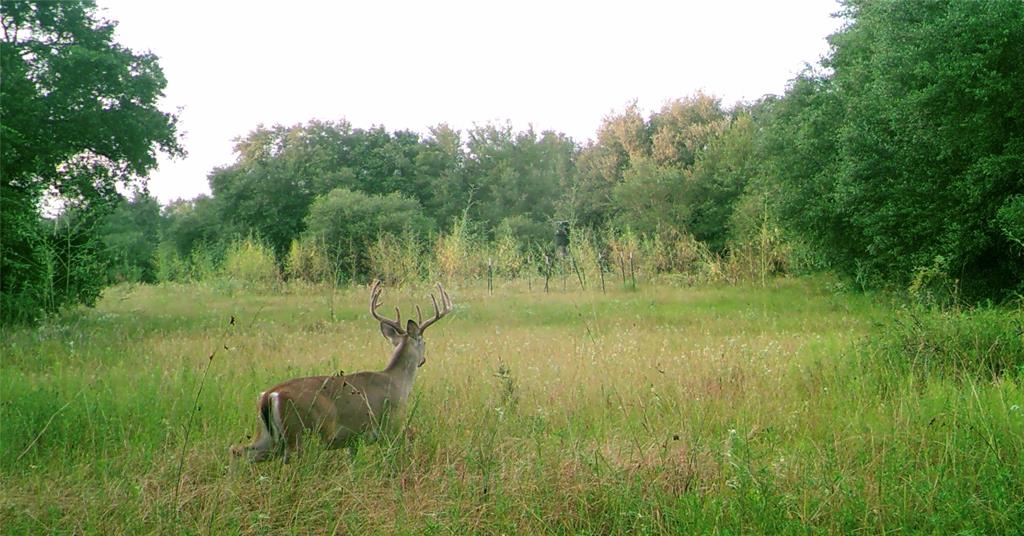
point(439, 312)
point(375, 303)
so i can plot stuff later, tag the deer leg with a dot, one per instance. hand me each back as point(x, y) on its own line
point(262, 448)
point(292, 446)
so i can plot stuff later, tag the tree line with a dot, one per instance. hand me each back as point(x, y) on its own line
point(900, 155)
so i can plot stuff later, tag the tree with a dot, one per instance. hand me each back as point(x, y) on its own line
point(517, 175)
point(78, 117)
point(280, 170)
point(684, 128)
point(348, 222)
point(914, 145)
point(130, 235)
point(601, 165)
point(193, 222)
point(440, 164)
point(720, 176)
point(655, 175)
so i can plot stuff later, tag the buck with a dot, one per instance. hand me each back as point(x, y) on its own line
point(343, 409)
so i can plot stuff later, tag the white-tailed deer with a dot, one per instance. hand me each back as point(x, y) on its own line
point(343, 408)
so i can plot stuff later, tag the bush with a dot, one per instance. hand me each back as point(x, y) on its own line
point(395, 260)
point(985, 342)
point(349, 222)
point(506, 254)
point(169, 266)
point(307, 261)
point(204, 262)
point(585, 251)
point(453, 252)
point(250, 262)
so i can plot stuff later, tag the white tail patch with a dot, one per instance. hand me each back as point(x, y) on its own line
point(276, 422)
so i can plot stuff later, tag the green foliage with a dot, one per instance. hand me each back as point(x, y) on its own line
point(78, 117)
point(255, 197)
point(453, 252)
point(913, 145)
point(204, 262)
point(250, 262)
point(905, 148)
point(650, 197)
point(440, 165)
point(27, 271)
point(50, 264)
point(740, 420)
point(397, 260)
point(1010, 219)
point(280, 171)
point(524, 230)
point(758, 248)
point(349, 222)
point(308, 261)
point(932, 285)
point(980, 343)
point(169, 265)
point(683, 129)
point(506, 255)
point(190, 223)
point(516, 175)
point(130, 236)
point(720, 176)
point(681, 171)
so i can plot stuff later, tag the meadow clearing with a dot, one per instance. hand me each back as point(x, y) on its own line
point(791, 407)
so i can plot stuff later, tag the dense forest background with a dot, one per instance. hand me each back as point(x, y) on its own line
point(898, 161)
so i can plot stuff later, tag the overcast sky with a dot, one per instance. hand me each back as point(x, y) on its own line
point(556, 65)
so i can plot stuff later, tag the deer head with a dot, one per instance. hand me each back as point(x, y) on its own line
point(408, 341)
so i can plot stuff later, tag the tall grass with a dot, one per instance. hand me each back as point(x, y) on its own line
point(251, 263)
point(715, 409)
point(308, 261)
point(465, 254)
point(397, 260)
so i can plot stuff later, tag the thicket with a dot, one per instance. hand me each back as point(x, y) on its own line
point(464, 254)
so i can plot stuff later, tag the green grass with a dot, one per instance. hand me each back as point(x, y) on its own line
point(740, 409)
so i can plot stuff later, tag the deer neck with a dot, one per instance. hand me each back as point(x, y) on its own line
point(404, 363)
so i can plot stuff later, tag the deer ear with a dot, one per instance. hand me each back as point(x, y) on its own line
point(413, 329)
point(390, 334)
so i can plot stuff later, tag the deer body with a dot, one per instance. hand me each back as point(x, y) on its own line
point(341, 409)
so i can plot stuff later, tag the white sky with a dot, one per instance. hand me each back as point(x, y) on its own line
point(557, 65)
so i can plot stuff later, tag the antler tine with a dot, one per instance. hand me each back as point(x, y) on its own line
point(439, 312)
point(445, 297)
point(434, 300)
point(375, 303)
point(419, 315)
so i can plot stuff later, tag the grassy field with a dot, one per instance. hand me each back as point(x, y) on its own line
point(785, 409)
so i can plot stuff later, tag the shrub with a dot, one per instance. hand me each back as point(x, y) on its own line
point(395, 260)
point(623, 251)
point(985, 342)
point(169, 266)
point(585, 252)
point(453, 252)
point(250, 262)
point(349, 222)
point(507, 254)
point(203, 262)
point(307, 261)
